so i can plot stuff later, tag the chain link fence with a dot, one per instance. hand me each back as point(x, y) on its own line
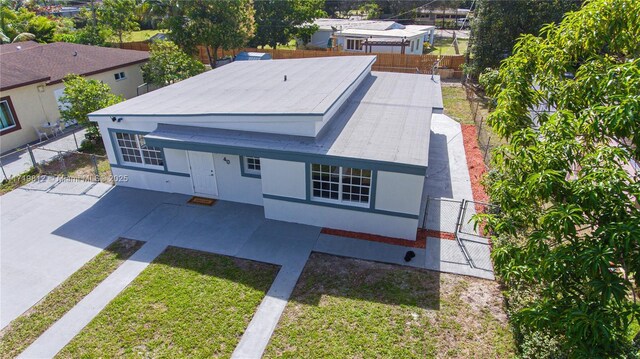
point(59, 157)
point(487, 139)
point(454, 219)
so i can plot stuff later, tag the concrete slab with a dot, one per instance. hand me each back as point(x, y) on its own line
point(45, 237)
point(441, 255)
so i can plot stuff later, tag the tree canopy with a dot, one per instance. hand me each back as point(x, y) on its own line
point(498, 25)
point(168, 64)
point(566, 236)
point(119, 16)
point(279, 21)
point(82, 96)
point(215, 24)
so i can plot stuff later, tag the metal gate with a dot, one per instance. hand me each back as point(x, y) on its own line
point(449, 218)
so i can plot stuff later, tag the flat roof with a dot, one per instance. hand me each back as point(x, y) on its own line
point(252, 87)
point(407, 31)
point(387, 119)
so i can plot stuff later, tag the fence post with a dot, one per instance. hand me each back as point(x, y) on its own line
point(64, 165)
point(95, 167)
point(486, 151)
point(462, 208)
point(74, 136)
point(426, 213)
point(480, 126)
point(3, 172)
point(33, 159)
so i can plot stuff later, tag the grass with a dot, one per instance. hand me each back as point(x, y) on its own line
point(444, 46)
point(136, 36)
point(24, 330)
point(347, 308)
point(456, 104)
point(186, 303)
point(20, 180)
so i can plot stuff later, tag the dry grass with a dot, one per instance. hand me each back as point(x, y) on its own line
point(348, 308)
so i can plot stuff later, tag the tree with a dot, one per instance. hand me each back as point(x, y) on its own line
point(566, 237)
point(168, 64)
point(279, 21)
point(498, 24)
point(119, 16)
point(215, 24)
point(81, 97)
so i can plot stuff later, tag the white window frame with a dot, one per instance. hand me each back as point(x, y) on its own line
point(11, 114)
point(355, 40)
point(119, 76)
point(139, 140)
point(341, 174)
point(248, 169)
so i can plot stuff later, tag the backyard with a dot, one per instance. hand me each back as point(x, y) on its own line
point(351, 308)
point(186, 302)
point(444, 46)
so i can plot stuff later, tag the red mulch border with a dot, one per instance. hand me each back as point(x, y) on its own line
point(420, 242)
point(475, 162)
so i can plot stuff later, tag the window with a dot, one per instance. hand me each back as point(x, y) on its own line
point(120, 76)
point(252, 165)
point(133, 149)
point(354, 44)
point(7, 117)
point(341, 184)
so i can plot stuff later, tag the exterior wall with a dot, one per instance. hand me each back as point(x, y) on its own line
point(394, 211)
point(320, 38)
point(176, 175)
point(34, 107)
point(344, 219)
point(29, 112)
point(342, 42)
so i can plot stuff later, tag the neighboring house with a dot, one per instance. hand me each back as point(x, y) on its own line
point(386, 36)
point(436, 16)
point(31, 82)
point(321, 141)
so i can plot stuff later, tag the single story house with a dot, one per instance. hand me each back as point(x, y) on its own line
point(31, 82)
point(386, 36)
point(321, 141)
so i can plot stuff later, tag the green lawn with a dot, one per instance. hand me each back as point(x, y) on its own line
point(346, 308)
point(136, 36)
point(24, 330)
point(456, 104)
point(444, 46)
point(186, 303)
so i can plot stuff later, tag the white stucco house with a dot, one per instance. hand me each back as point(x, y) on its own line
point(319, 141)
point(385, 36)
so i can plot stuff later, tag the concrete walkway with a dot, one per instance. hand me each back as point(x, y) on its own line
point(63, 331)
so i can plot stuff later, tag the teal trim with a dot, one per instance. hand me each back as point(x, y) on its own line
point(115, 147)
point(245, 174)
point(146, 169)
point(374, 189)
point(341, 206)
point(319, 158)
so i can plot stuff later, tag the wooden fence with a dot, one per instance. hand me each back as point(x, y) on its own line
point(386, 62)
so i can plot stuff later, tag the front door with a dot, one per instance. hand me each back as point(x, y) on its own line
point(203, 173)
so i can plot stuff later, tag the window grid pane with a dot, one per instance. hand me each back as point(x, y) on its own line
point(253, 164)
point(341, 184)
point(326, 181)
point(356, 185)
point(134, 150)
point(6, 117)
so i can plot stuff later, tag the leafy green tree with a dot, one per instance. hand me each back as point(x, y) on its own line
point(566, 236)
point(81, 97)
point(499, 24)
point(370, 10)
point(119, 16)
point(215, 24)
point(279, 21)
point(168, 64)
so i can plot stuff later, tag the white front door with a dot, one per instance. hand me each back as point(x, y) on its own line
point(203, 173)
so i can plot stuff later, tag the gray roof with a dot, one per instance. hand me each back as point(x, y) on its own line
point(387, 119)
point(252, 87)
